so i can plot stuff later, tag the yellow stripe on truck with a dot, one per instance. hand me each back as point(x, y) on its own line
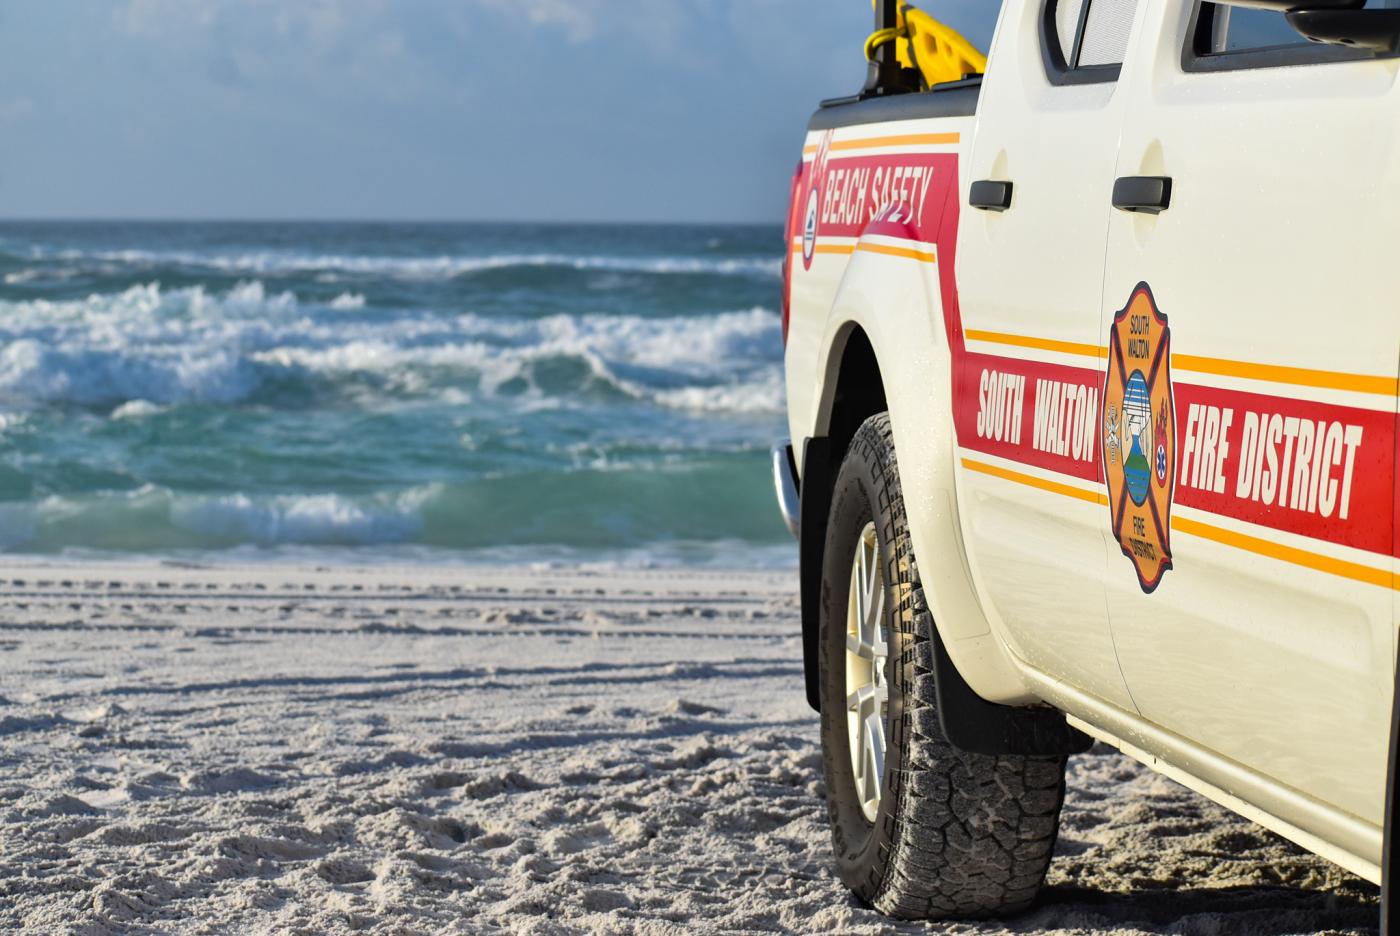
point(1300, 557)
point(1277, 373)
point(908, 253)
point(908, 139)
point(1045, 484)
point(1040, 344)
point(1253, 544)
point(1273, 373)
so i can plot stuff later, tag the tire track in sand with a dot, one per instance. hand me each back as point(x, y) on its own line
point(500, 750)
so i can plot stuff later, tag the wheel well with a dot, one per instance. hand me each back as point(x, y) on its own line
point(969, 722)
point(859, 394)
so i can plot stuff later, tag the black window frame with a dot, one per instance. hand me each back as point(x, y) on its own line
point(1057, 70)
point(1199, 36)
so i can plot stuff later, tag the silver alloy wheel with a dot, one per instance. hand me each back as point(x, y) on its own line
point(867, 695)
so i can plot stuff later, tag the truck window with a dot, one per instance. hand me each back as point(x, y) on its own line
point(1067, 25)
point(1091, 34)
point(1230, 37)
point(1240, 28)
point(1106, 32)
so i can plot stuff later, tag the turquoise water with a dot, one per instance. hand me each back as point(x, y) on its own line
point(372, 391)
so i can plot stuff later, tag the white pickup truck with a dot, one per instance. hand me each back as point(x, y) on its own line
point(1092, 385)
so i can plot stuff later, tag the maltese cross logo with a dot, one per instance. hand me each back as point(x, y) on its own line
point(1139, 444)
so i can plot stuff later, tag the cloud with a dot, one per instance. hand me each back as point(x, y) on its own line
point(153, 19)
point(338, 47)
point(577, 19)
point(323, 23)
point(656, 22)
point(578, 22)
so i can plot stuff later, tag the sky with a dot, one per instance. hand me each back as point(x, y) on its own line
point(504, 110)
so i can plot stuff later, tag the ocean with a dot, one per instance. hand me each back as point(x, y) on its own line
point(391, 392)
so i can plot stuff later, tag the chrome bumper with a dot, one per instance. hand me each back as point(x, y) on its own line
point(785, 481)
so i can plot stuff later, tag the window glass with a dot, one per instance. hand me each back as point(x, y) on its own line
point(1067, 25)
point(1106, 32)
point(1244, 29)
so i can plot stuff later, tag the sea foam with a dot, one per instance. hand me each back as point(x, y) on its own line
point(273, 263)
point(372, 390)
point(317, 519)
point(173, 346)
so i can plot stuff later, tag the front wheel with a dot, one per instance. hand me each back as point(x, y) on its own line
point(921, 830)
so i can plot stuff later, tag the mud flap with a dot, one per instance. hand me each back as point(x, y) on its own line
point(977, 726)
point(813, 506)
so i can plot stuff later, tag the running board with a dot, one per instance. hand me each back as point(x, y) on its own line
point(1339, 837)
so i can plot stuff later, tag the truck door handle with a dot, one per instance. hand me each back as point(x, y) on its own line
point(990, 196)
point(1143, 194)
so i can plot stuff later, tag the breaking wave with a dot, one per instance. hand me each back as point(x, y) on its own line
point(187, 345)
point(489, 391)
point(485, 513)
point(270, 263)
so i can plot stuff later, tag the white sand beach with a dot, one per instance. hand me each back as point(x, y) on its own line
point(501, 750)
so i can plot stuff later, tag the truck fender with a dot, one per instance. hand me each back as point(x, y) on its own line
point(896, 306)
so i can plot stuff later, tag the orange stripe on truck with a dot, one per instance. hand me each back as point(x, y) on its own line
point(909, 139)
point(1273, 373)
point(1301, 376)
point(1301, 557)
point(1045, 484)
point(1253, 544)
point(923, 256)
point(1040, 344)
point(908, 253)
point(905, 140)
point(842, 249)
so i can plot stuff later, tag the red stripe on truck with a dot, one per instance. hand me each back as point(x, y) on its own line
point(1319, 470)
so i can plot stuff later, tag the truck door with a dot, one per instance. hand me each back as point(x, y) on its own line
point(1250, 402)
point(1030, 278)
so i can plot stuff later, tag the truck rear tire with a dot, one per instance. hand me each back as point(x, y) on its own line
point(920, 829)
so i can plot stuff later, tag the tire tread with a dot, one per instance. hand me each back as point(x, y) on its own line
point(971, 835)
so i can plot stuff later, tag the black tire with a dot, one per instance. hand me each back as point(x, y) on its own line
point(956, 835)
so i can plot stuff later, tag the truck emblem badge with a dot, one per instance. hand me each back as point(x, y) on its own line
point(809, 230)
point(1139, 436)
point(809, 222)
